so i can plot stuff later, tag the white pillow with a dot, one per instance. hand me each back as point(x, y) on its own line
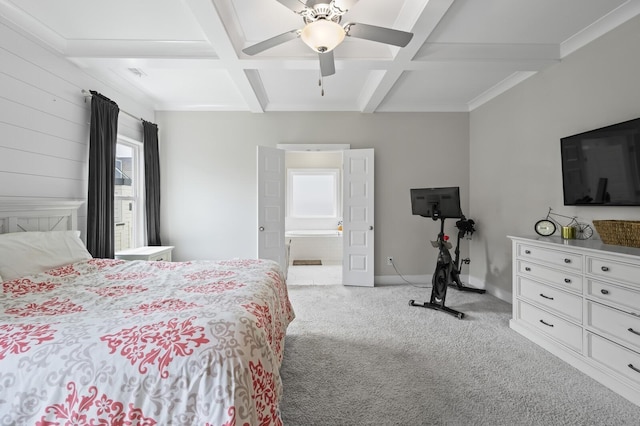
point(28, 253)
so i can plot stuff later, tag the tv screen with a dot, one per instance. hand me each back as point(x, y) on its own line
point(436, 202)
point(602, 167)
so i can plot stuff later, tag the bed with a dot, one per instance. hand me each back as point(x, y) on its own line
point(113, 342)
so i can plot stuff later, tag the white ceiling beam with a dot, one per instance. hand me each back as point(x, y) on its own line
point(206, 14)
point(423, 16)
point(376, 88)
point(613, 19)
point(311, 64)
point(506, 84)
point(369, 88)
point(140, 49)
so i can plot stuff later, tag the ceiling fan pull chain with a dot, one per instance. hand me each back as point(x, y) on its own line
point(320, 83)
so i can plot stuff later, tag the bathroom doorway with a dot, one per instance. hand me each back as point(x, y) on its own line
point(313, 216)
point(356, 204)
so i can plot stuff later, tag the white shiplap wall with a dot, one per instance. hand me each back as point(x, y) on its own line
point(44, 121)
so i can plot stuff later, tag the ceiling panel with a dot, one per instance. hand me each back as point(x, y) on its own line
point(285, 89)
point(519, 21)
point(114, 19)
point(193, 89)
point(261, 19)
point(443, 86)
point(462, 54)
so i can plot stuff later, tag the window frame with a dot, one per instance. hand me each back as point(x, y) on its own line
point(137, 197)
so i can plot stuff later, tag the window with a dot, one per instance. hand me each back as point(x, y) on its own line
point(128, 205)
point(313, 193)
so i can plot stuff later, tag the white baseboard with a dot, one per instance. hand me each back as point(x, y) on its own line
point(421, 280)
point(505, 296)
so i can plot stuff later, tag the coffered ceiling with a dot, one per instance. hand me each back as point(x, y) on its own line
point(187, 54)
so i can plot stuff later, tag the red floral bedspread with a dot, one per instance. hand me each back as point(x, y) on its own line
point(109, 342)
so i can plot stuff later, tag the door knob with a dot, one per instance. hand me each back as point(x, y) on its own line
point(261, 228)
point(370, 227)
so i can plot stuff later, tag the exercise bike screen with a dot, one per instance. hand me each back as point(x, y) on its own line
point(436, 203)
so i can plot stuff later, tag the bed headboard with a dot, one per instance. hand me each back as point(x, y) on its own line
point(33, 214)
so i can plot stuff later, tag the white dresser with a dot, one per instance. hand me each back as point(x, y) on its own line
point(154, 253)
point(580, 300)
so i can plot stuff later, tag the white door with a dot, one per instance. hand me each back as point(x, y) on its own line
point(357, 261)
point(271, 196)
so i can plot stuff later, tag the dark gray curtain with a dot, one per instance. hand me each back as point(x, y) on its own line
point(152, 182)
point(103, 136)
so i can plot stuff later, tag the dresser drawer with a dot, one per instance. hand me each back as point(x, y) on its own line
point(550, 297)
point(624, 297)
point(613, 271)
point(613, 323)
point(552, 257)
point(561, 330)
point(614, 357)
point(562, 279)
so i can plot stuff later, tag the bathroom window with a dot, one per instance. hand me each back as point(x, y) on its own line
point(313, 193)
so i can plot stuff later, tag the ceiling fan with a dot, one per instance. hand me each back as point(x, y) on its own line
point(322, 31)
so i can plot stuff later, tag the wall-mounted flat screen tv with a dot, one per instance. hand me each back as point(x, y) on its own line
point(602, 166)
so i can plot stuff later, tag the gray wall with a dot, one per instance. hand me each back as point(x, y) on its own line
point(515, 146)
point(209, 176)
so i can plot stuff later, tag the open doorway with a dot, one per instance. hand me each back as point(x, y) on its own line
point(313, 216)
point(357, 205)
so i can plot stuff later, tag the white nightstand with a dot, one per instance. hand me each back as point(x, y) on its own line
point(146, 253)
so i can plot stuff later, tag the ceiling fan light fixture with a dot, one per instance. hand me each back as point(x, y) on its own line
point(322, 35)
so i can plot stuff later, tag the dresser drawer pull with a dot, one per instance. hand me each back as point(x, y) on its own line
point(527, 269)
point(546, 323)
point(567, 280)
point(546, 297)
point(567, 261)
point(605, 268)
point(604, 291)
point(527, 252)
point(634, 368)
point(633, 331)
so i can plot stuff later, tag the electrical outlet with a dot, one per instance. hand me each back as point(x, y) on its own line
point(389, 260)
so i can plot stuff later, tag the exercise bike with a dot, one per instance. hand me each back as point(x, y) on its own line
point(447, 272)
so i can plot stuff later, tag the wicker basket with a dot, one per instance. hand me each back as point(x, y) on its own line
point(619, 232)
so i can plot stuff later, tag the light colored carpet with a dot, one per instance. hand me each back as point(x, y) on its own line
point(363, 356)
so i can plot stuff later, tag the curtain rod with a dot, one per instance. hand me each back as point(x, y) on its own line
point(87, 94)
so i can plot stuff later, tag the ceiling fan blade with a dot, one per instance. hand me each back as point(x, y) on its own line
point(271, 42)
point(379, 34)
point(295, 5)
point(344, 5)
point(327, 63)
